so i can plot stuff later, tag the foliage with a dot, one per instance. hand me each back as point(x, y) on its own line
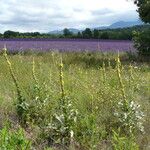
point(80, 103)
point(33, 111)
point(61, 129)
point(87, 33)
point(67, 33)
point(142, 39)
point(64, 118)
point(123, 142)
point(96, 34)
point(142, 42)
point(143, 9)
point(22, 106)
point(13, 140)
point(130, 117)
point(40, 100)
point(116, 34)
point(88, 132)
point(104, 35)
point(128, 113)
point(38, 112)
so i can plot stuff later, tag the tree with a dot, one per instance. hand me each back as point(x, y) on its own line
point(144, 9)
point(11, 34)
point(79, 35)
point(105, 35)
point(142, 42)
point(87, 33)
point(142, 39)
point(96, 34)
point(67, 33)
point(1, 35)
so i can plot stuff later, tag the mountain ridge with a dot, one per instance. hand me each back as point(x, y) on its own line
point(118, 24)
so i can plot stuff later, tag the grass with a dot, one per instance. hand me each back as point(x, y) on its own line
point(91, 84)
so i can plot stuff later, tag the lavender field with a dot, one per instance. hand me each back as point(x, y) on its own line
point(67, 45)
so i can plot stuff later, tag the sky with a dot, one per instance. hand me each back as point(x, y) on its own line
point(48, 15)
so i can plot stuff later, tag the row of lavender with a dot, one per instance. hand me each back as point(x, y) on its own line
point(67, 45)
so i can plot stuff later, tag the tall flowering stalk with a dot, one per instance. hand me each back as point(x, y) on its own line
point(120, 77)
point(12, 73)
point(61, 79)
point(64, 120)
point(128, 112)
point(21, 106)
point(40, 99)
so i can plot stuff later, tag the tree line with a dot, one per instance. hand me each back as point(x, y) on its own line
point(115, 34)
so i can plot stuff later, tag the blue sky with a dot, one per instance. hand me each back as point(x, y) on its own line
point(47, 15)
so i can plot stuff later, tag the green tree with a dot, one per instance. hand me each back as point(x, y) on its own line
point(1, 35)
point(142, 42)
point(105, 35)
point(144, 9)
point(67, 33)
point(87, 33)
point(96, 34)
point(11, 34)
point(79, 35)
point(142, 39)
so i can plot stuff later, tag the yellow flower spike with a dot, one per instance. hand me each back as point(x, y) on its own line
point(12, 72)
point(61, 79)
point(120, 77)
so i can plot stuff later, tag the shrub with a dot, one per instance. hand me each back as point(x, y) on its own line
point(142, 42)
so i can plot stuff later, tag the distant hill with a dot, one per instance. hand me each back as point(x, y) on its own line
point(75, 31)
point(119, 24)
point(122, 24)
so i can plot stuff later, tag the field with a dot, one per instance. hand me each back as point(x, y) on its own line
point(86, 100)
point(66, 45)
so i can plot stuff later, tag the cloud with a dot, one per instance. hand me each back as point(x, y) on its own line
point(102, 12)
point(46, 15)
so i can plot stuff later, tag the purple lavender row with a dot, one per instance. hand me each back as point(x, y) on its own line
point(67, 45)
point(61, 39)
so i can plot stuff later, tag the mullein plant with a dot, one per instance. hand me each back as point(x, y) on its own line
point(40, 98)
point(128, 112)
point(64, 119)
point(22, 106)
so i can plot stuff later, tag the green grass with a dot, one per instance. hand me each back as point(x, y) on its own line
point(93, 91)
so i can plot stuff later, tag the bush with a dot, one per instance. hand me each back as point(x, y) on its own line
point(142, 42)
